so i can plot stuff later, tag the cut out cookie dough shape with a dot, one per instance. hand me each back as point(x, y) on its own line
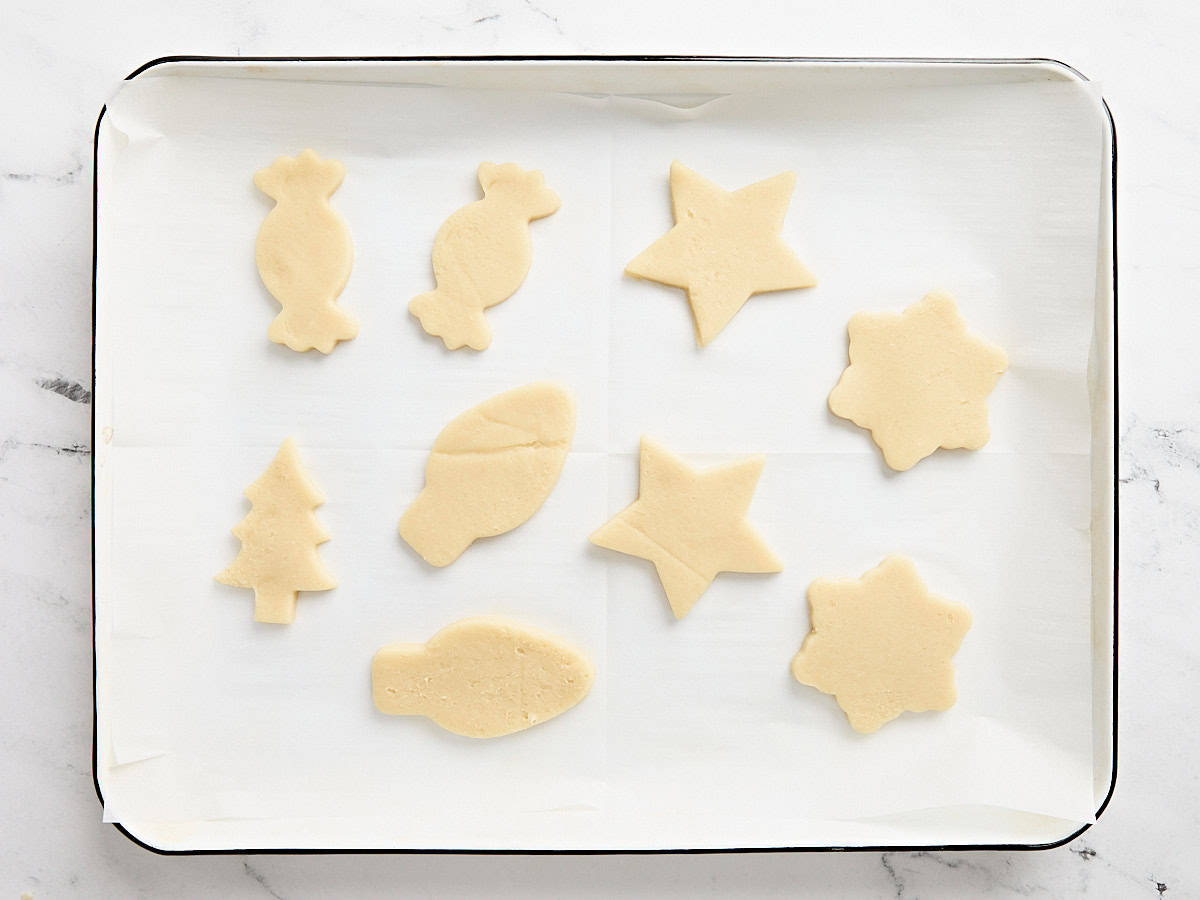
point(279, 539)
point(481, 254)
point(304, 252)
point(881, 644)
point(490, 469)
point(918, 380)
point(690, 523)
point(725, 246)
point(482, 677)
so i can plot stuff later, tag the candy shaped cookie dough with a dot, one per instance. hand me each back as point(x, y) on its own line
point(304, 252)
point(881, 644)
point(482, 677)
point(481, 254)
point(918, 380)
point(725, 247)
point(490, 469)
point(279, 539)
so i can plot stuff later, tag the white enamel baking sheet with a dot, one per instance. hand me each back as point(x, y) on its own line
point(992, 181)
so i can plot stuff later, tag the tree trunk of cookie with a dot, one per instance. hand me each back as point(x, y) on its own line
point(274, 604)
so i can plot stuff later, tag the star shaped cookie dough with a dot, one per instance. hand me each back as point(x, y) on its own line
point(724, 247)
point(918, 380)
point(690, 523)
point(881, 644)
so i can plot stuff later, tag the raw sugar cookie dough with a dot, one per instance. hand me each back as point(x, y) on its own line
point(304, 252)
point(279, 539)
point(691, 523)
point(724, 247)
point(918, 380)
point(881, 644)
point(482, 677)
point(481, 254)
point(490, 469)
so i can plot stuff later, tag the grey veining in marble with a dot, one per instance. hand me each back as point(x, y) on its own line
point(60, 61)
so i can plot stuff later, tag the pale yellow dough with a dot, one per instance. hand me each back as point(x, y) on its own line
point(881, 644)
point(279, 539)
point(304, 252)
point(481, 254)
point(482, 677)
point(690, 523)
point(490, 469)
point(918, 380)
point(724, 247)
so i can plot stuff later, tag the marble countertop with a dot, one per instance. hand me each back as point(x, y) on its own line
point(63, 61)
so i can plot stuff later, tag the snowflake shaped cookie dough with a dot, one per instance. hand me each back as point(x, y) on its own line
point(918, 380)
point(881, 644)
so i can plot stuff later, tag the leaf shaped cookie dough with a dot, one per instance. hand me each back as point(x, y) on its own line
point(482, 677)
point(691, 523)
point(481, 255)
point(918, 380)
point(279, 539)
point(725, 247)
point(304, 252)
point(490, 469)
point(881, 644)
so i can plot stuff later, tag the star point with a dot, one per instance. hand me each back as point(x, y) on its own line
point(690, 523)
point(725, 247)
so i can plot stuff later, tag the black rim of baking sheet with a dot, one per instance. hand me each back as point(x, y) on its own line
point(602, 58)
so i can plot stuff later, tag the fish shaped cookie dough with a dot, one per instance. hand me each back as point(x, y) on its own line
point(304, 252)
point(481, 255)
point(490, 469)
point(482, 677)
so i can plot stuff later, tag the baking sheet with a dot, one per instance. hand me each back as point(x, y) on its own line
point(695, 734)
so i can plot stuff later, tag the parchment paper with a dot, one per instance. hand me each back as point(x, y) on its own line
point(695, 734)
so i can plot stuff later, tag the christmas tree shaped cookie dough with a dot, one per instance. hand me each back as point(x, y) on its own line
point(279, 539)
point(481, 678)
point(918, 380)
point(881, 644)
point(690, 523)
point(725, 246)
point(304, 252)
point(490, 469)
point(481, 255)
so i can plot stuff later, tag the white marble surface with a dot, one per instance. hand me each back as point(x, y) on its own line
point(62, 60)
